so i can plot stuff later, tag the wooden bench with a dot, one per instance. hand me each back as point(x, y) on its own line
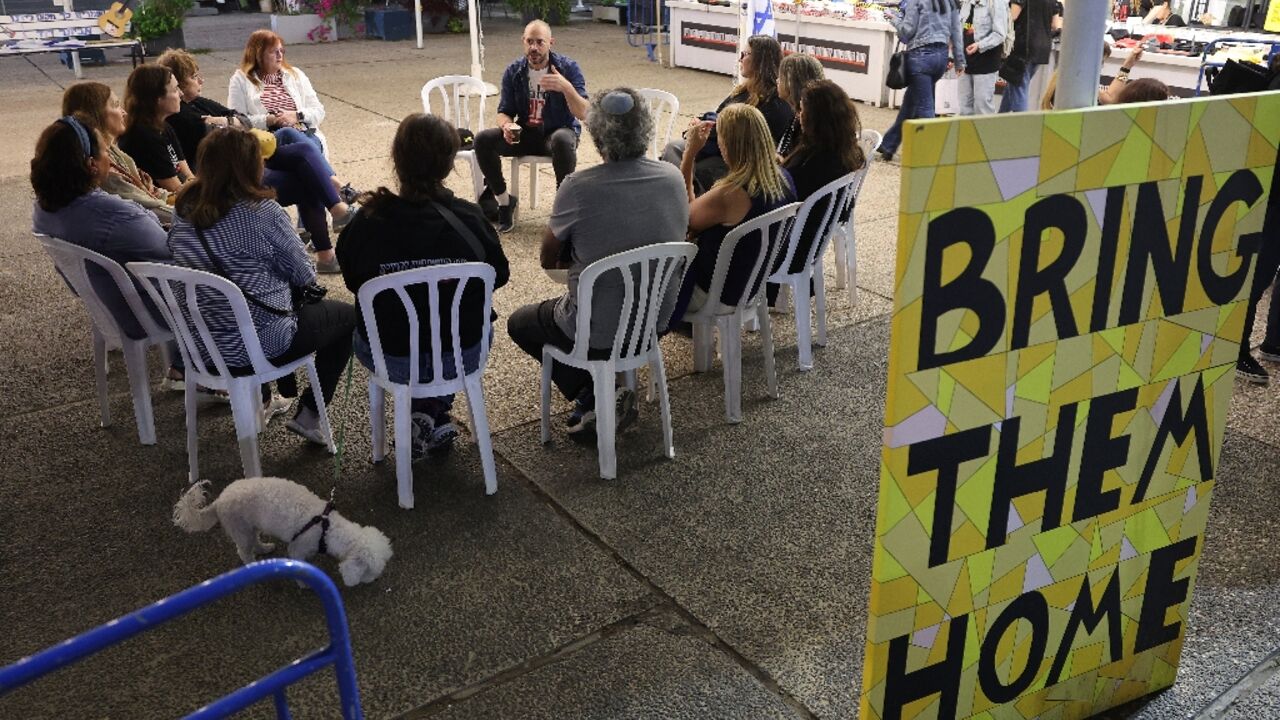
point(63, 31)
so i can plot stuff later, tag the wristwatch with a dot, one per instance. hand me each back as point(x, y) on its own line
point(1123, 69)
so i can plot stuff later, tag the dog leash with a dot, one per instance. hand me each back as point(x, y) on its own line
point(341, 444)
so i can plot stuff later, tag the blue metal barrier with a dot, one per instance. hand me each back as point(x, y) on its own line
point(338, 653)
point(1273, 47)
point(647, 25)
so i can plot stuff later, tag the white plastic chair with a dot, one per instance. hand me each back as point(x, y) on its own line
point(664, 106)
point(73, 262)
point(840, 194)
point(456, 93)
point(198, 290)
point(436, 385)
point(646, 273)
point(843, 232)
point(533, 161)
point(728, 319)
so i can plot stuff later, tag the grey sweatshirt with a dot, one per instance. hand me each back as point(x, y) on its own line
point(925, 22)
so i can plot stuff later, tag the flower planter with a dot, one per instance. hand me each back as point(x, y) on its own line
point(616, 14)
point(157, 46)
point(295, 29)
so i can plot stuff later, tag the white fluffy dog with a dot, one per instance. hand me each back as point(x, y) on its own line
point(288, 511)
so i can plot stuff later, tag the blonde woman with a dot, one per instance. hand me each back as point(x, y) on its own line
point(753, 186)
point(794, 75)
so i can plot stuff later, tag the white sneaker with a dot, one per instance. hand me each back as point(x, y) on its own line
point(276, 406)
point(307, 424)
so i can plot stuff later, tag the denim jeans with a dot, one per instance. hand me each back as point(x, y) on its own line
point(925, 65)
point(398, 370)
point(1015, 95)
point(977, 94)
point(297, 173)
point(290, 135)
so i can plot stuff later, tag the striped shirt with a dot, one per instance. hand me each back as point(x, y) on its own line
point(275, 97)
point(257, 246)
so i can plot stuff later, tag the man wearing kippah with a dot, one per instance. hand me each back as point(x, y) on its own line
point(626, 202)
point(544, 95)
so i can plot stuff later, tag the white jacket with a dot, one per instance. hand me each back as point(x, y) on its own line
point(245, 97)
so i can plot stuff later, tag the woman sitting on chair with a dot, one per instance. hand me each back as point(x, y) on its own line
point(794, 75)
point(96, 106)
point(423, 225)
point(228, 224)
point(753, 186)
point(829, 148)
point(70, 163)
point(297, 172)
point(151, 95)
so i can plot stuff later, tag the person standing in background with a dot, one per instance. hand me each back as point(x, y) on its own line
point(985, 25)
point(1033, 22)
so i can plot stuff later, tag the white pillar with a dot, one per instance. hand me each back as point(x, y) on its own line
point(1080, 56)
point(417, 20)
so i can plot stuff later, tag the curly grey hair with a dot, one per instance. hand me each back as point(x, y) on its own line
point(620, 135)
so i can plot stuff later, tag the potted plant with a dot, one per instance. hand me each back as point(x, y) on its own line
point(158, 24)
point(554, 12)
point(313, 21)
point(612, 11)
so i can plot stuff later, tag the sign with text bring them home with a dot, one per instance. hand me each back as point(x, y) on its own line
point(1070, 297)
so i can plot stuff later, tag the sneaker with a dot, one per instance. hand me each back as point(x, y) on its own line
point(507, 215)
point(1269, 352)
point(173, 384)
point(330, 267)
point(488, 205)
point(442, 437)
point(627, 409)
point(305, 237)
point(339, 223)
point(885, 156)
point(307, 425)
point(581, 424)
point(277, 405)
point(421, 425)
point(348, 194)
point(1249, 369)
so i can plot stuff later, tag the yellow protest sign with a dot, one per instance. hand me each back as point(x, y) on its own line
point(1070, 297)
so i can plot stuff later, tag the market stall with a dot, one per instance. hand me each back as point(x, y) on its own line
point(853, 47)
point(1172, 55)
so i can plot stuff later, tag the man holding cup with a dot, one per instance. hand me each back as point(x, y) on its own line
point(544, 95)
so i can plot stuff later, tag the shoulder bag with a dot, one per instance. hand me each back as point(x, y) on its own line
point(896, 78)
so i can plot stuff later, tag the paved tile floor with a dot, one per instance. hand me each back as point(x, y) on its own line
point(729, 583)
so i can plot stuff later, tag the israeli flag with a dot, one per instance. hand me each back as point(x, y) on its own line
point(762, 22)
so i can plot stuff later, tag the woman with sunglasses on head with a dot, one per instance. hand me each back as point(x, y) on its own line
point(229, 224)
point(297, 172)
point(96, 106)
point(759, 65)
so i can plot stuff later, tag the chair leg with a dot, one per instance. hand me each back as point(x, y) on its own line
point(851, 261)
point(703, 346)
point(246, 413)
point(820, 304)
point(404, 446)
point(603, 376)
point(783, 303)
point(730, 327)
point(804, 327)
point(477, 178)
point(193, 445)
point(321, 410)
point(378, 421)
point(480, 426)
point(658, 376)
point(838, 244)
point(766, 341)
point(135, 365)
point(513, 187)
point(630, 380)
point(546, 397)
point(533, 184)
point(100, 376)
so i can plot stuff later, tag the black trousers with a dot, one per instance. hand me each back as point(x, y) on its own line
point(533, 326)
point(1264, 274)
point(561, 145)
point(324, 328)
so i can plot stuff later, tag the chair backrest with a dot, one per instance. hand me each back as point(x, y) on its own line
point(773, 228)
point(399, 282)
point(837, 197)
point(189, 298)
point(646, 274)
point(664, 106)
point(73, 263)
point(460, 99)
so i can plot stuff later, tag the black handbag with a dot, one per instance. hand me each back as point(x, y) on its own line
point(1013, 69)
point(896, 78)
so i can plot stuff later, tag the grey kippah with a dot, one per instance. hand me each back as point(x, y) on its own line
point(617, 103)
